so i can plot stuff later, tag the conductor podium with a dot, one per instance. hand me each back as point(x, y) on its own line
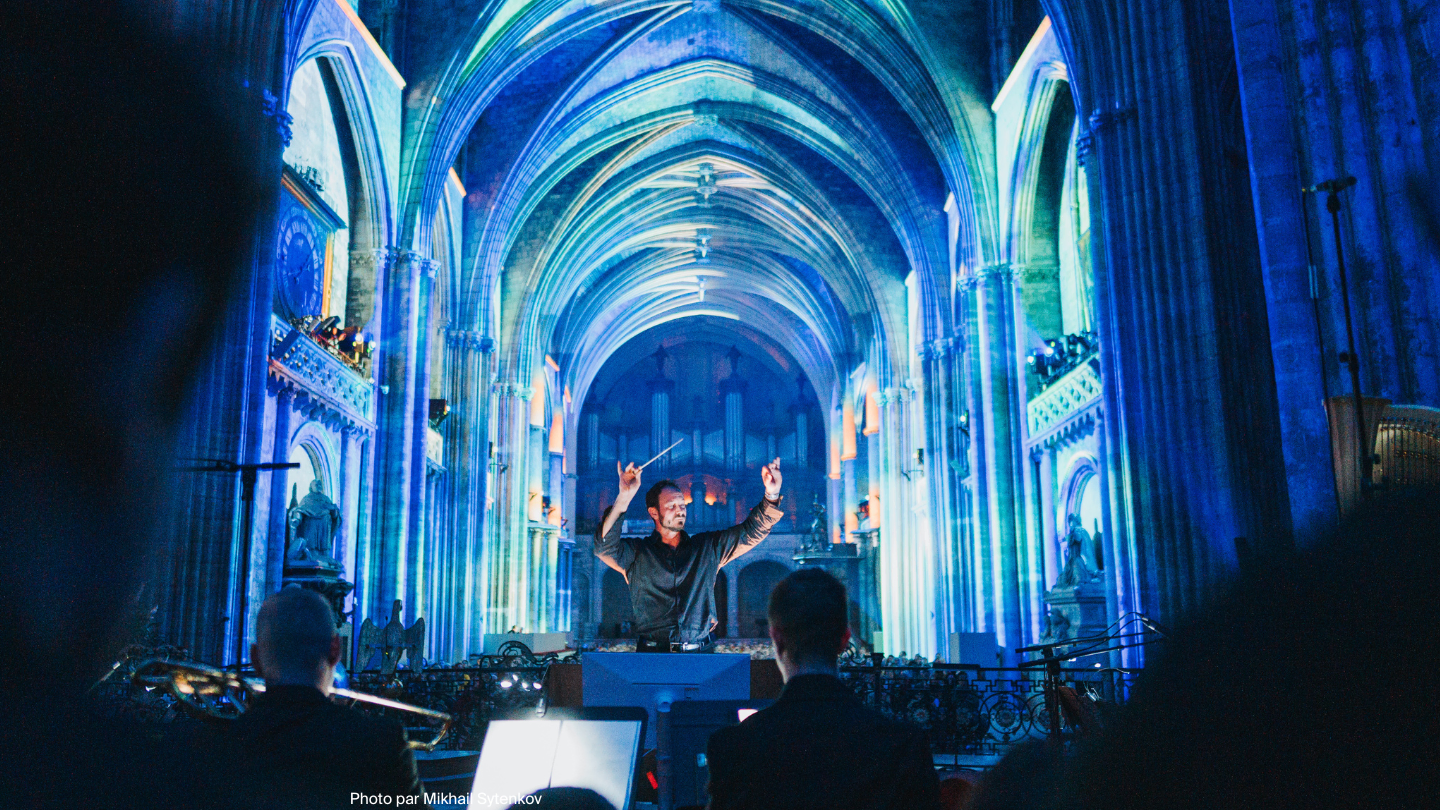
point(653, 681)
point(711, 688)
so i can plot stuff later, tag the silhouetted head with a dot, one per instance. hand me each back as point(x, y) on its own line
point(132, 192)
point(565, 798)
point(1308, 684)
point(295, 640)
point(808, 621)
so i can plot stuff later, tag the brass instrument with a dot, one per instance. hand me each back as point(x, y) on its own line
point(216, 693)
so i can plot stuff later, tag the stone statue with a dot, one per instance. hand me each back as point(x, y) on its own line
point(1057, 626)
point(818, 538)
point(1077, 569)
point(313, 523)
point(392, 642)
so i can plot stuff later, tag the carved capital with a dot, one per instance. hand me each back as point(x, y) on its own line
point(402, 257)
point(1001, 271)
point(938, 349)
point(475, 341)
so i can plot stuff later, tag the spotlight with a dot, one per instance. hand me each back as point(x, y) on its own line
point(506, 684)
point(538, 685)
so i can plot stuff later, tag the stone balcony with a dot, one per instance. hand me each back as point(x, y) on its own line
point(1063, 399)
point(307, 365)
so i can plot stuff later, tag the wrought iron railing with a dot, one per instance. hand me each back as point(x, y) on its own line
point(965, 711)
point(975, 711)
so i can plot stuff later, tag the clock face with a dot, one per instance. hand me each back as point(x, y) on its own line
point(299, 266)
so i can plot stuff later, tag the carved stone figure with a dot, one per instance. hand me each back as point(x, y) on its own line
point(818, 538)
point(1077, 569)
point(1057, 626)
point(392, 642)
point(313, 523)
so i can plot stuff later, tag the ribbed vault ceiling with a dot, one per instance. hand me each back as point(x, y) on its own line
point(708, 167)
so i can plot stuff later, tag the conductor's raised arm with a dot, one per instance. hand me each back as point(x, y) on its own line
point(609, 546)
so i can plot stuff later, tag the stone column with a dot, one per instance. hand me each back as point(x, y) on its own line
point(467, 462)
point(660, 393)
point(733, 390)
point(396, 365)
point(1051, 564)
point(1002, 396)
point(1315, 117)
point(418, 528)
point(194, 578)
point(590, 429)
point(801, 420)
point(510, 555)
point(349, 500)
point(273, 570)
point(1192, 426)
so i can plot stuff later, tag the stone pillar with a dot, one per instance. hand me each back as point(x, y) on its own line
point(1311, 118)
point(733, 390)
point(590, 429)
point(467, 461)
point(660, 394)
point(801, 421)
point(396, 365)
point(512, 557)
point(1049, 541)
point(418, 530)
point(1192, 416)
point(274, 568)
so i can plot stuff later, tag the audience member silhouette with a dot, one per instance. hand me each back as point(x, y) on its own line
point(564, 798)
point(293, 747)
point(818, 746)
point(1309, 683)
point(131, 200)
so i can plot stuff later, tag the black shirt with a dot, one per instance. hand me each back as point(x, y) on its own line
point(672, 591)
point(296, 750)
point(820, 747)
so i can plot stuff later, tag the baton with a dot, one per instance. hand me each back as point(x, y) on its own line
point(658, 455)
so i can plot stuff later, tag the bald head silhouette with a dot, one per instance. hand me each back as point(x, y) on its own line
point(295, 640)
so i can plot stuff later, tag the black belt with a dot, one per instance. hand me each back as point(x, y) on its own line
point(648, 644)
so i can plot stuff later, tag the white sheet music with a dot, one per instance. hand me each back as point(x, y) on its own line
point(522, 756)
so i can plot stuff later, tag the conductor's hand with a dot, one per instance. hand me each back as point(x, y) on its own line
point(629, 481)
point(770, 475)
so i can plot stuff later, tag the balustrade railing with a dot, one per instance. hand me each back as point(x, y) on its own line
point(965, 711)
point(976, 711)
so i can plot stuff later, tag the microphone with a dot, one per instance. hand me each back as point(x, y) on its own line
point(1152, 625)
point(1335, 186)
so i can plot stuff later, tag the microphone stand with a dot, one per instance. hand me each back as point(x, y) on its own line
point(249, 473)
point(1051, 662)
point(1350, 357)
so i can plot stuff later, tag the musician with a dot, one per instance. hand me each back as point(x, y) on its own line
point(293, 748)
point(818, 746)
point(671, 573)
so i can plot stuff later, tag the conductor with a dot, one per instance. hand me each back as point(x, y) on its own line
point(671, 573)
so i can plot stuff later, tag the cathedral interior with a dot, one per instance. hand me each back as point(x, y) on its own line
point(1054, 312)
point(968, 269)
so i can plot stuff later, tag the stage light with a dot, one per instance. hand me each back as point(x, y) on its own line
point(506, 684)
point(538, 685)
